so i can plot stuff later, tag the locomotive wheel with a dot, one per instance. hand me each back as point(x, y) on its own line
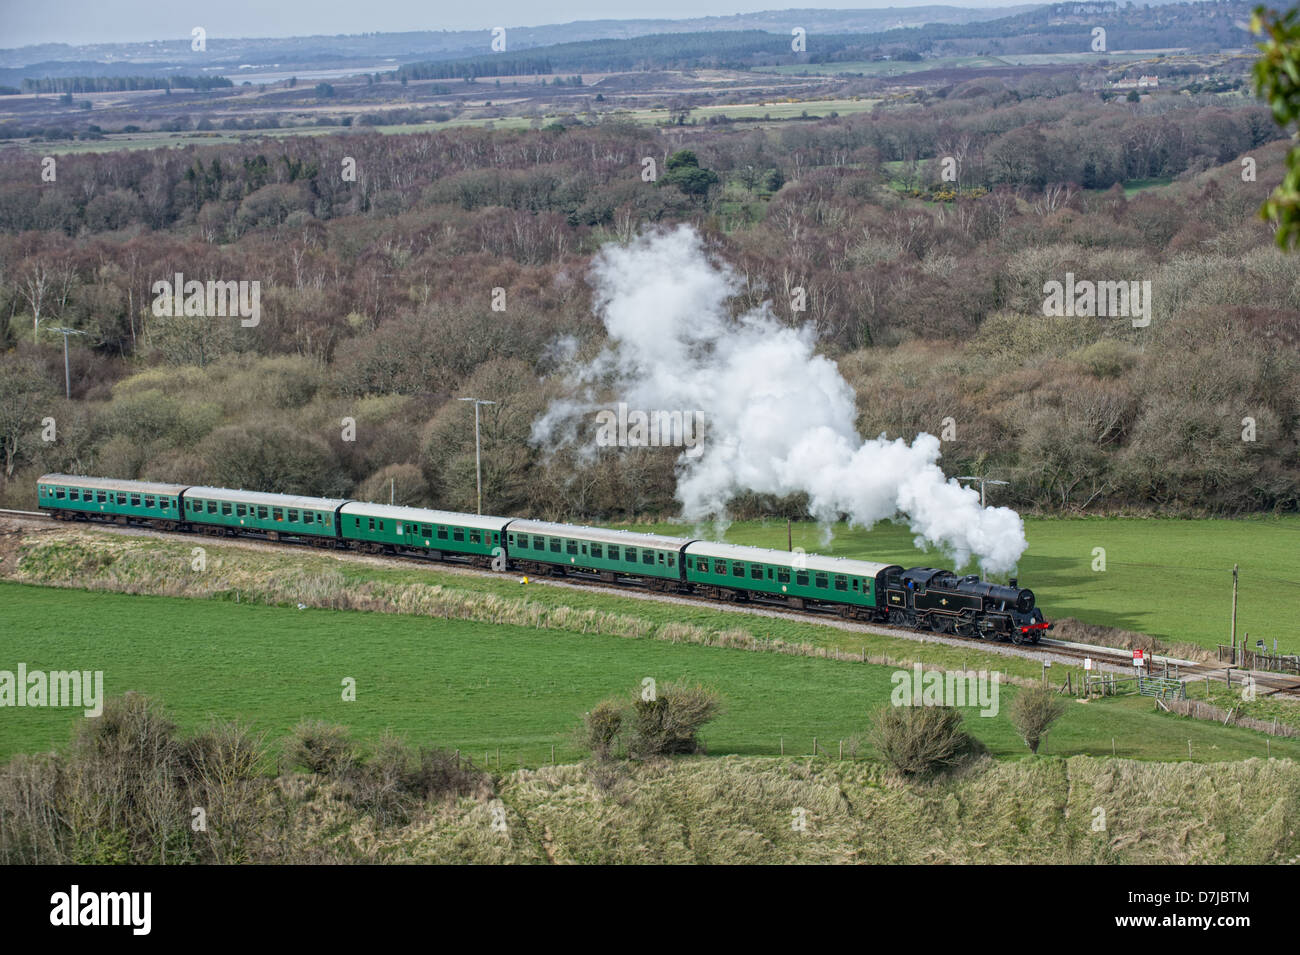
point(938, 624)
point(1017, 637)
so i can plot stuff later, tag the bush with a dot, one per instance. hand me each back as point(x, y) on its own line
point(668, 724)
point(321, 748)
point(1033, 711)
point(601, 727)
point(918, 740)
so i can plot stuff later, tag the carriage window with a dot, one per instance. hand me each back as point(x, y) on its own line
point(661, 556)
point(647, 556)
point(309, 517)
point(783, 576)
point(427, 529)
point(135, 500)
point(240, 510)
point(148, 500)
point(570, 547)
point(597, 551)
point(756, 571)
point(737, 569)
point(372, 523)
point(523, 540)
point(442, 533)
point(555, 545)
point(476, 537)
point(59, 493)
point(841, 583)
point(672, 560)
point(329, 520)
point(702, 565)
point(613, 552)
point(821, 581)
point(225, 508)
point(102, 497)
point(381, 525)
point(855, 583)
point(277, 513)
point(261, 512)
point(458, 533)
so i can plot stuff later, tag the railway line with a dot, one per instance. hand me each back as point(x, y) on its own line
point(1104, 658)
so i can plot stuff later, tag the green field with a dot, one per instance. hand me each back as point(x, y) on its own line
point(903, 67)
point(1169, 578)
point(480, 687)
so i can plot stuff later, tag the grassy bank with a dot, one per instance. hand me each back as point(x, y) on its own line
point(480, 686)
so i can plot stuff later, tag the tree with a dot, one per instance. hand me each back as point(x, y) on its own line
point(683, 170)
point(1277, 79)
point(1033, 712)
point(24, 396)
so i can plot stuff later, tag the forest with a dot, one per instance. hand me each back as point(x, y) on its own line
point(378, 291)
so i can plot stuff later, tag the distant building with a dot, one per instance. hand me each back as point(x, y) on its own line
point(1141, 83)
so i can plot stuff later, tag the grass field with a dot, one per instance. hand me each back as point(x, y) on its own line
point(479, 687)
point(902, 67)
point(1169, 578)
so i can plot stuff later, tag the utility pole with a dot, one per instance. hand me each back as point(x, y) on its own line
point(478, 456)
point(983, 481)
point(1234, 613)
point(67, 374)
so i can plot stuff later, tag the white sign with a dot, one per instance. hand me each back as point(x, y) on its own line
point(1087, 663)
point(1137, 658)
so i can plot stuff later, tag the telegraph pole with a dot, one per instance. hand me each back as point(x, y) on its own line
point(1234, 613)
point(983, 481)
point(478, 457)
point(67, 374)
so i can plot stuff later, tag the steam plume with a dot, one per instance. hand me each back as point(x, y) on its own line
point(779, 418)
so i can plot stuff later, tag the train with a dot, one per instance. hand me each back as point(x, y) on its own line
point(919, 598)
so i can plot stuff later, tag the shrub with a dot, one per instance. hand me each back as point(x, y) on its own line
point(668, 724)
point(321, 748)
point(918, 740)
point(1033, 711)
point(601, 727)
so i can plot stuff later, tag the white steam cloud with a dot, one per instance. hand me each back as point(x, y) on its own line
point(779, 419)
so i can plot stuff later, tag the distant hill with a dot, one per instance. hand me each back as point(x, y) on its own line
point(120, 59)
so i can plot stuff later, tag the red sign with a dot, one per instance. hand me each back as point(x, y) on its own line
point(1137, 658)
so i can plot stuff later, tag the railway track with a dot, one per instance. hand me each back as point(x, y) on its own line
point(1109, 657)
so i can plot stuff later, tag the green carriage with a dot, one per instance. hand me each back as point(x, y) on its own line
point(547, 547)
point(219, 510)
point(384, 527)
point(69, 497)
point(730, 571)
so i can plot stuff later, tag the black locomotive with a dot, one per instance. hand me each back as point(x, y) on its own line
point(926, 597)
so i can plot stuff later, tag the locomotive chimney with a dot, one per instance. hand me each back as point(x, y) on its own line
point(1015, 582)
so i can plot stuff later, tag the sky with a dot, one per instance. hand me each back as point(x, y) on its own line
point(24, 22)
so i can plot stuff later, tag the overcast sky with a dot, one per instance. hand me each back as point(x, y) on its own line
point(24, 22)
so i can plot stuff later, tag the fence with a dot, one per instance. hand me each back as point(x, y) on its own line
point(1259, 659)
